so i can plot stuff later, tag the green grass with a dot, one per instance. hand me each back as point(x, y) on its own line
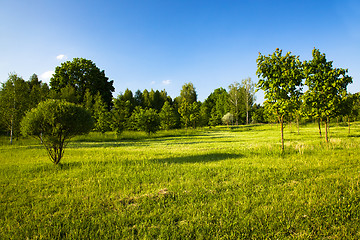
point(213, 183)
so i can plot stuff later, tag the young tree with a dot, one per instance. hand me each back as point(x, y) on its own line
point(188, 93)
point(167, 117)
point(14, 102)
point(82, 74)
point(101, 115)
point(280, 79)
point(326, 88)
point(235, 99)
point(55, 122)
point(249, 96)
point(228, 119)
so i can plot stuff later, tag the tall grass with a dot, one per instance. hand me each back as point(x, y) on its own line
point(221, 183)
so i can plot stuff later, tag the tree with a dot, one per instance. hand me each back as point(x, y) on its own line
point(185, 112)
point(147, 120)
point(227, 119)
point(14, 102)
point(55, 122)
point(167, 117)
point(249, 96)
point(217, 105)
point(39, 91)
point(236, 99)
point(188, 93)
point(280, 79)
point(326, 88)
point(101, 115)
point(82, 74)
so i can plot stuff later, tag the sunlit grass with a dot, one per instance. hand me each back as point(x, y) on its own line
point(209, 183)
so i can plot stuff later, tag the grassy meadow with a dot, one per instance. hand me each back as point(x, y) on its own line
point(213, 183)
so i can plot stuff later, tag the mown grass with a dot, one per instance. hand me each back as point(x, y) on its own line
point(218, 183)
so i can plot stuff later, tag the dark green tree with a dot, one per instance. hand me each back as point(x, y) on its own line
point(280, 77)
point(82, 74)
point(55, 122)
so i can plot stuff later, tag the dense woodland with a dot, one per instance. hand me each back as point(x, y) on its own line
point(281, 77)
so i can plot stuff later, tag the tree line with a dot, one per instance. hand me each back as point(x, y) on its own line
point(282, 78)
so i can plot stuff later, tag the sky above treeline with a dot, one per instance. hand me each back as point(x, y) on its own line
point(163, 44)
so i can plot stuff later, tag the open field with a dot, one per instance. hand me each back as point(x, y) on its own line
point(214, 183)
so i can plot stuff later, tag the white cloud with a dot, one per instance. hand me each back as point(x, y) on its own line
point(61, 57)
point(153, 82)
point(166, 82)
point(46, 76)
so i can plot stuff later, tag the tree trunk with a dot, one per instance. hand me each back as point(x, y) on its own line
point(11, 131)
point(319, 124)
point(282, 133)
point(297, 124)
point(326, 129)
point(349, 123)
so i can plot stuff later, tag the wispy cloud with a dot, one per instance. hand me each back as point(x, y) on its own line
point(46, 76)
point(61, 57)
point(153, 82)
point(166, 82)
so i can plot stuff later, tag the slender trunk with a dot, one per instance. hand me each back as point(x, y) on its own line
point(297, 124)
point(319, 124)
point(247, 115)
point(282, 133)
point(11, 131)
point(326, 129)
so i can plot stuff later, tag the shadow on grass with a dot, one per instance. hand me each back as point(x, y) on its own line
point(201, 158)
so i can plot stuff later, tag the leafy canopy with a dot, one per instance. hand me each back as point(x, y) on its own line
point(55, 122)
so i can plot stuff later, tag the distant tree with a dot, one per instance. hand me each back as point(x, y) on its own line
point(185, 112)
point(280, 79)
point(138, 98)
point(249, 95)
point(236, 98)
point(228, 119)
point(188, 93)
point(55, 122)
point(39, 91)
point(195, 113)
point(217, 104)
point(149, 121)
point(349, 107)
point(101, 115)
point(14, 102)
point(167, 117)
point(326, 88)
point(82, 74)
point(258, 114)
point(119, 115)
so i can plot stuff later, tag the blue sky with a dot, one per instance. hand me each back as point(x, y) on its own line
point(163, 44)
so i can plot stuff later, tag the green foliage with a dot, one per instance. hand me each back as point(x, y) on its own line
point(228, 119)
point(101, 115)
point(326, 87)
point(280, 77)
point(82, 75)
point(167, 117)
point(146, 120)
point(188, 93)
point(14, 102)
point(55, 122)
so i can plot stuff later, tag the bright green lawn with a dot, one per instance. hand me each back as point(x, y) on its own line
point(207, 184)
